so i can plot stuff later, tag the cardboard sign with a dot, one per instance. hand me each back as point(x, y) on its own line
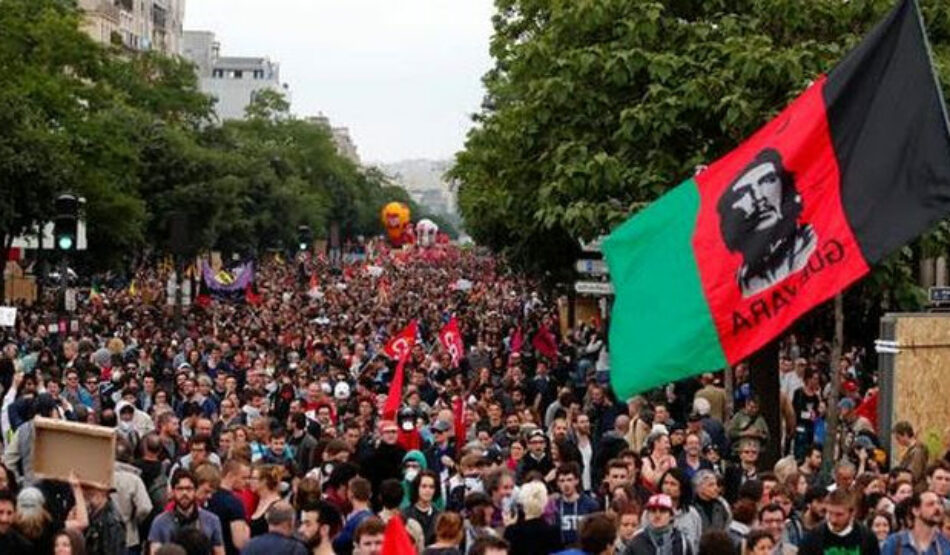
point(60, 446)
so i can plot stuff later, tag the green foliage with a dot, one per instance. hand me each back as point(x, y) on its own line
point(596, 107)
point(133, 134)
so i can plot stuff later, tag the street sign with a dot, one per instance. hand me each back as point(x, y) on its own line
point(594, 287)
point(594, 245)
point(69, 299)
point(592, 267)
point(939, 295)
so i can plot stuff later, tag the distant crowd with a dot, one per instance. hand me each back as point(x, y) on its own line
point(261, 425)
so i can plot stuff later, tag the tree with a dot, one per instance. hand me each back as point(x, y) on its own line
point(48, 68)
point(595, 108)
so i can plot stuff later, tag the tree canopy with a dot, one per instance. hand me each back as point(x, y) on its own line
point(596, 107)
point(133, 134)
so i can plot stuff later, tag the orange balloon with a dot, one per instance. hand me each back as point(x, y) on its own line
point(395, 218)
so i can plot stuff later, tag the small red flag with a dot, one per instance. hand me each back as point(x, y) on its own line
point(251, 297)
point(517, 340)
point(451, 339)
point(395, 389)
point(868, 408)
point(545, 343)
point(396, 539)
point(401, 343)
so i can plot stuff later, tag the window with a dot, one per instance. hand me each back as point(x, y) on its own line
point(217, 73)
point(258, 74)
point(238, 74)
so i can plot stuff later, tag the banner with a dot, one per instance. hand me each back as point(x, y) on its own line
point(243, 275)
point(451, 339)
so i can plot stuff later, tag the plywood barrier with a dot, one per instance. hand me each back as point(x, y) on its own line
point(917, 376)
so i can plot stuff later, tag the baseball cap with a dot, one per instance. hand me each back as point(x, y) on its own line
point(536, 433)
point(660, 501)
point(846, 404)
point(441, 426)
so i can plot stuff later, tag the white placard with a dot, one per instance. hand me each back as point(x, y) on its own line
point(7, 316)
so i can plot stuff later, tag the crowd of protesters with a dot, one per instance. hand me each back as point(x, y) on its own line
point(259, 427)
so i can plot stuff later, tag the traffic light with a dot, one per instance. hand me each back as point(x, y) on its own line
point(304, 237)
point(66, 223)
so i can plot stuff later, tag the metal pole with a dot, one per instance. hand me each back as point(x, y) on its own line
point(831, 434)
point(178, 277)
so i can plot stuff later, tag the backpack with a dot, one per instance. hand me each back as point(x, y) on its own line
point(158, 491)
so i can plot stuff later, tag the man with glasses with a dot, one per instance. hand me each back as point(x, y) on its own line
point(537, 458)
point(73, 392)
point(186, 514)
point(439, 454)
point(746, 470)
point(772, 520)
point(92, 399)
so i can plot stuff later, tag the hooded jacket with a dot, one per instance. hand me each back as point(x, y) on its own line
point(141, 421)
point(131, 500)
point(419, 458)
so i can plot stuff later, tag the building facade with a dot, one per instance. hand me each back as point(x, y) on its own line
point(232, 80)
point(345, 146)
point(136, 24)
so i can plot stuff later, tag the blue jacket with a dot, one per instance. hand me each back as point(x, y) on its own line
point(940, 545)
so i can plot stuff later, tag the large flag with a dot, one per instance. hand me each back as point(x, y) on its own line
point(402, 343)
point(451, 339)
point(853, 169)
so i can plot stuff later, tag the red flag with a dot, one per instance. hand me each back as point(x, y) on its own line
point(396, 539)
point(314, 282)
point(395, 389)
point(545, 343)
point(458, 412)
point(868, 408)
point(402, 342)
point(251, 297)
point(517, 340)
point(451, 339)
point(204, 301)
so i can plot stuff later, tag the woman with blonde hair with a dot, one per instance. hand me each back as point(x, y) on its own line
point(531, 535)
point(265, 482)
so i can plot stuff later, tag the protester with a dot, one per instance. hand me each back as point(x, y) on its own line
point(840, 531)
point(279, 537)
point(185, 515)
point(659, 534)
point(225, 417)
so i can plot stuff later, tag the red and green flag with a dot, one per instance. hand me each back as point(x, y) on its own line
point(853, 169)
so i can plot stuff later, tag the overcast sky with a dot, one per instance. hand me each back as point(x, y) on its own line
point(403, 75)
